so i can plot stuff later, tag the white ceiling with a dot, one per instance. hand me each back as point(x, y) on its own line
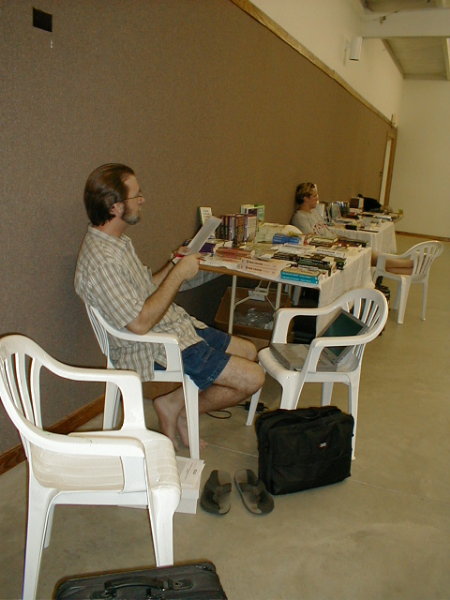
point(416, 33)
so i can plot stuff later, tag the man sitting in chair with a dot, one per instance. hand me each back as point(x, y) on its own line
point(110, 277)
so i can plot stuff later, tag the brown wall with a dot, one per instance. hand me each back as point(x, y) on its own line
point(207, 105)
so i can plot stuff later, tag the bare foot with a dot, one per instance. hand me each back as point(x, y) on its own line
point(168, 408)
point(182, 429)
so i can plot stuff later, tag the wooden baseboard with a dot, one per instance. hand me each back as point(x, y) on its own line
point(422, 235)
point(16, 455)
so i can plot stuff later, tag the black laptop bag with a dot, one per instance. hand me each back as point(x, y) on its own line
point(303, 448)
point(186, 582)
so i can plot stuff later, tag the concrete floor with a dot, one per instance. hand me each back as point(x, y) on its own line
point(382, 534)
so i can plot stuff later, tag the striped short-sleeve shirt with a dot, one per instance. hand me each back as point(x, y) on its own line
point(110, 277)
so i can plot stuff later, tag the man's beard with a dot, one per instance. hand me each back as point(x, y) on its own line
point(131, 219)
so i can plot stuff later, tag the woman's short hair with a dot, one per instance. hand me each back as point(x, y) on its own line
point(304, 190)
point(104, 187)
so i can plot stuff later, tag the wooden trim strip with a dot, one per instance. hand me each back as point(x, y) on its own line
point(257, 14)
point(423, 235)
point(16, 455)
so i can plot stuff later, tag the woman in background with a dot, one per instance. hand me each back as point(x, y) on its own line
point(309, 220)
point(306, 217)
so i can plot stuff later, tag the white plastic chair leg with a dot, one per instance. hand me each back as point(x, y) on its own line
point(252, 408)
point(192, 417)
point(296, 295)
point(292, 389)
point(38, 514)
point(404, 292)
point(111, 409)
point(353, 396)
point(396, 300)
point(161, 510)
point(162, 532)
point(49, 527)
point(327, 392)
point(424, 299)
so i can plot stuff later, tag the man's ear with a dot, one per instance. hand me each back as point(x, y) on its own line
point(117, 209)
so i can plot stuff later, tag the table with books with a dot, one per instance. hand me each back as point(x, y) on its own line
point(377, 231)
point(331, 266)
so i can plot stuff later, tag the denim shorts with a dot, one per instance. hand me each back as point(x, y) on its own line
point(205, 361)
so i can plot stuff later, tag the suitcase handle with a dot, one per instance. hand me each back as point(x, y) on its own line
point(155, 585)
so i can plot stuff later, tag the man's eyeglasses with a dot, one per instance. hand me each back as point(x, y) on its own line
point(140, 195)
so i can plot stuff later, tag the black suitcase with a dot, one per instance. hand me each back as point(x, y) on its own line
point(303, 448)
point(197, 581)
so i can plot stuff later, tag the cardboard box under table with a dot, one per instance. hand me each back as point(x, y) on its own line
point(252, 317)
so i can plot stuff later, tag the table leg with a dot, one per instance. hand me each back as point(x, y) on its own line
point(232, 303)
point(278, 296)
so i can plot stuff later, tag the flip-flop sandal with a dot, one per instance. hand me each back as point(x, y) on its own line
point(253, 492)
point(215, 497)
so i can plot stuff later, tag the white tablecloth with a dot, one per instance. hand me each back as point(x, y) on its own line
point(379, 237)
point(356, 274)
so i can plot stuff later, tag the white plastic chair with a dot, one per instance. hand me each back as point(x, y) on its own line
point(366, 304)
point(423, 255)
point(131, 467)
point(173, 373)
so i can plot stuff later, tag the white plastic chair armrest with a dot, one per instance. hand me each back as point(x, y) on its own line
point(143, 435)
point(89, 443)
point(169, 340)
point(121, 377)
point(128, 383)
point(161, 463)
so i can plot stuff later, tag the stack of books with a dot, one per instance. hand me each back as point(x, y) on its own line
point(347, 243)
point(319, 261)
point(250, 227)
point(336, 253)
point(303, 274)
point(326, 242)
point(265, 268)
point(232, 254)
point(238, 228)
point(280, 238)
point(232, 228)
point(381, 216)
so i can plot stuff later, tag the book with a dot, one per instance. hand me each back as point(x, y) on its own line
point(308, 275)
point(205, 212)
point(269, 268)
point(256, 209)
point(250, 227)
point(322, 241)
point(232, 254)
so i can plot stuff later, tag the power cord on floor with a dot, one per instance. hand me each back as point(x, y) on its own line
point(226, 414)
point(217, 414)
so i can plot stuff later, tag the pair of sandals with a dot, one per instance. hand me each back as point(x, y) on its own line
point(216, 494)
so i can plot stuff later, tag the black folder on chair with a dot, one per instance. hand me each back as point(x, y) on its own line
point(292, 356)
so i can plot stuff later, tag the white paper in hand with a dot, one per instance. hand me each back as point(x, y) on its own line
point(202, 236)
